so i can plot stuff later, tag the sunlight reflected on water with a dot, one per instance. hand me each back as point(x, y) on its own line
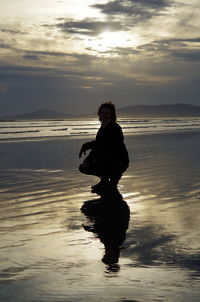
point(59, 242)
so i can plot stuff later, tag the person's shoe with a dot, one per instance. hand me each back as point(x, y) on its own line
point(100, 184)
point(98, 188)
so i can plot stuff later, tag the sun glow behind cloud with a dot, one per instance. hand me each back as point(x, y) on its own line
point(108, 40)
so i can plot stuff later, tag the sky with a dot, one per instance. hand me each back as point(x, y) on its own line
point(71, 55)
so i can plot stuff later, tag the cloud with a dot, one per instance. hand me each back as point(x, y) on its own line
point(30, 88)
point(187, 55)
point(89, 27)
point(143, 9)
point(65, 62)
point(6, 46)
point(38, 53)
point(11, 31)
point(181, 48)
point(31, 57)
point(181, 40)
point(120, 51)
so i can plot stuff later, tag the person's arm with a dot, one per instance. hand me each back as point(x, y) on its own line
point(85, 147)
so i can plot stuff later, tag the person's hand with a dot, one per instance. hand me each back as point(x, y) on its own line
point(82, 151)
point(84, 148)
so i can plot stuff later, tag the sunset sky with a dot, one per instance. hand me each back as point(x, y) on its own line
point(71, 55)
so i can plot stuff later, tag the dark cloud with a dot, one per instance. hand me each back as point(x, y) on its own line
point(195, 40)
point(180, 48)
point(187, 55)
point(29, 88)
point(31, 57)
point(32, 88)
point(6, 46)
point(46, 53)
point(11, 31)
point(151, 3)
point(37, 54)
point(22, 72)
point(177, 40)
point(180, 41)
point(143, 9)
point(89, 27)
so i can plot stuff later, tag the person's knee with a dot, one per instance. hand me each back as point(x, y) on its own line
point(82, 169)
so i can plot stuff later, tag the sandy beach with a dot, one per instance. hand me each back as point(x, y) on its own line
point(54, 240)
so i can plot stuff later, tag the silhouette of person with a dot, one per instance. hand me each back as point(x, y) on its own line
point(109, 219)
point(108, 157)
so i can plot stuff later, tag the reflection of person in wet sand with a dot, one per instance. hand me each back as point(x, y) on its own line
point(109, 219)
point(108, 158)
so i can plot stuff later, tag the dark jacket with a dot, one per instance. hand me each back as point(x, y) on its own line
point(111, 139)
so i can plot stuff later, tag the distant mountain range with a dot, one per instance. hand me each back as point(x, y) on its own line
point(173, 110)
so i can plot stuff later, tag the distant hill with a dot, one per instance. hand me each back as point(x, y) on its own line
point(39, 114)
point(138, 111)
point(173, 110)
point(143, 111)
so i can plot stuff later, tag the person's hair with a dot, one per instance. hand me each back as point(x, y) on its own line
point(111, 106)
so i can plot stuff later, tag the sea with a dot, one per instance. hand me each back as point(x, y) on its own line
point(59, 242)
point(44, 129)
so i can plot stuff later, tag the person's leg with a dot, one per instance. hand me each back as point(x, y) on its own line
point(103, 182)
point(114, 179)
point(101, 168)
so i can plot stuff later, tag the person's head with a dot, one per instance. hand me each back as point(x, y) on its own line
point(107, 112)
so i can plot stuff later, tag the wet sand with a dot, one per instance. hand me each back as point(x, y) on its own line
point(60, 242)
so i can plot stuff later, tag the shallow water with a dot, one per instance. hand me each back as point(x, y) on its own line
point(51, 250)
point(41, 129)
